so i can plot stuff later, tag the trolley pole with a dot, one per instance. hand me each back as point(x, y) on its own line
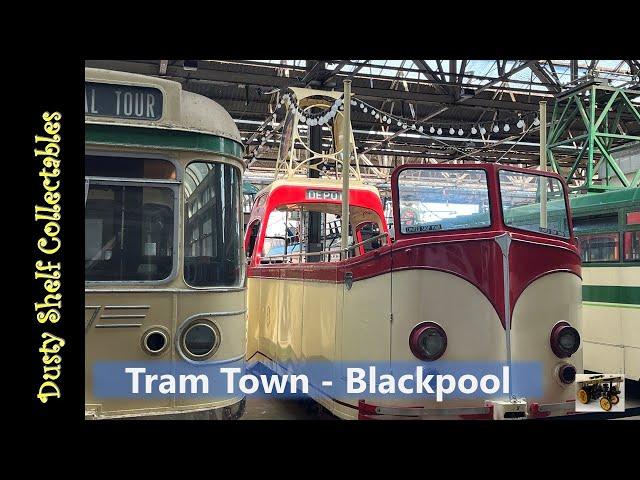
point(543, 164)
point(346, 157)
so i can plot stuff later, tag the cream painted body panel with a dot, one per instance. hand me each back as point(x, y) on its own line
point(546, 301)
point(318, 332)
point(599, 357)
point(632, 363)
point(253, 316)
point(612, 331)
point(366, 320)
point(168, 311)
point(603, 324)
point(472, 325)
point(621, 276)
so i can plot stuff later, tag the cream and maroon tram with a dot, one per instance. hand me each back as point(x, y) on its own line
point(483, 268)
point(164, 264)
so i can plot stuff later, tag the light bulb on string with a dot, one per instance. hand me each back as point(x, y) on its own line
point(388, 121)
point(420, 128)
point(432, 130)
point(536, 122)
point(506, 127)
point(483, 130)
point(474, 130)
point(439, 131)
point(365, 110)
point(460, 132)
point(451, 131)
point(496, 128)
point(520, 123)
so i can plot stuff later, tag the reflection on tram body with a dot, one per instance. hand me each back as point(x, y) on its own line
point(164, 265)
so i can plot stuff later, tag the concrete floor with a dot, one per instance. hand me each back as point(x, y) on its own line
point(273, 408)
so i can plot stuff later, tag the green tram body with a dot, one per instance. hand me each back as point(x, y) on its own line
point(607, 226)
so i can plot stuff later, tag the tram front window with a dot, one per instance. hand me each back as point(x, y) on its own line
point(128, 232)
point(446, 199)
point(533, 202)
point(212, 225)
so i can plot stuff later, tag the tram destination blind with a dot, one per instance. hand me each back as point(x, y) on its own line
point(122, 101)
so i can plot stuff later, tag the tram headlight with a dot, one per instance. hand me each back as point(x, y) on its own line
point(564, 340)
point(428, 341)
point(200, 339)
point(154, 341)
point(566, 373)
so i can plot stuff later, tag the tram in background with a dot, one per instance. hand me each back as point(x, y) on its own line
point(607, 226)
point(164, 263)
point(439, 291)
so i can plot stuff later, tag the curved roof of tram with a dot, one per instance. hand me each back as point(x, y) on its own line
point(196, 112)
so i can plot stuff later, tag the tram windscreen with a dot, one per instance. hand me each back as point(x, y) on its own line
point(129, 232)
point(442, 199)
point(213, 225)
point(533, 202)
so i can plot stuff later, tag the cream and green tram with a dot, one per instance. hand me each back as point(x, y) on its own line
point(164, 263)
point(607, 227)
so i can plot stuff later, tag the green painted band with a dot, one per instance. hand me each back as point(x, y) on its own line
point(611, 294)
point(161, 138)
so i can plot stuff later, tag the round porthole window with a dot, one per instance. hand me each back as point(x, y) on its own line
point(199, 339)
point(154, 341)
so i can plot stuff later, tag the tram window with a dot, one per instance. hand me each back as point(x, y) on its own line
point(602, 222)
point(212, 228)
point(599, 247)
point(128, 233)
point(254, 229)
point(522, 206)
point(632, 246)
point(633, 218)
point(128, 167)
point(446, 199)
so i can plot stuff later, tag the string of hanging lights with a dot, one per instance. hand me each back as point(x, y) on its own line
point(288, 102)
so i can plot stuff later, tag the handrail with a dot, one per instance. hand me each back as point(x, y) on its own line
point(324, 252)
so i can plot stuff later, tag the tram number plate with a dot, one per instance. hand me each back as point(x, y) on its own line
point(122, 101)
point(324, 195)
point(422, 228)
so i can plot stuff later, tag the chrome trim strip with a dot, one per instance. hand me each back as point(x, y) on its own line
point(164, 290)
point(123, 316)
point(118, 325)
point(219, 314)
point(133, 180)
point(125, 307)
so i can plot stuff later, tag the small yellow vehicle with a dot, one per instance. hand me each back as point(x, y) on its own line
point(603, 387)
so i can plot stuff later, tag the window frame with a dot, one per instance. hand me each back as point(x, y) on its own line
point(603, 262)
point(242, 262)
point(565, 197)
point(447, 231)
point(174, 185)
